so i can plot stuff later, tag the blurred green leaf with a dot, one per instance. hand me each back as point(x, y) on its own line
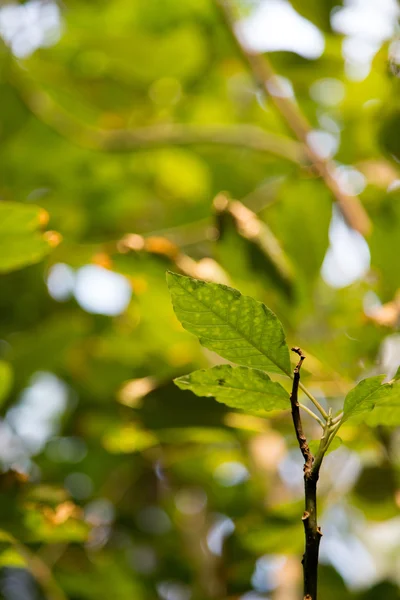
point(21, 243)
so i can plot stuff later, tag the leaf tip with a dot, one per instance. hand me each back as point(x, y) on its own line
point(181, 382)
point(171, 276)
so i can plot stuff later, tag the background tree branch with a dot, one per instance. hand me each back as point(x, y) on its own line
point(244, 136)
point(265, 76)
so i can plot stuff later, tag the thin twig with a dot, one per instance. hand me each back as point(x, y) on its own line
point(313, 400)
point(312, 414)
point(265, 76)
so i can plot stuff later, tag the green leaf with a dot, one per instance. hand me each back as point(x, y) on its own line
point(237, 327)
point(238, 387)
point(335, 444)
point(20, 241)
point(363, 397)
point(387, 406)
point(6, 380)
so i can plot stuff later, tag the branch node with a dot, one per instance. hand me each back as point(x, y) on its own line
point(306, 515)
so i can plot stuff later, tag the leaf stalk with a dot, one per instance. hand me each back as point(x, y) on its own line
point(312, 414)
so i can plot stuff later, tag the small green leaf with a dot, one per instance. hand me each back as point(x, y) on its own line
point(21, 242)
point(397, 374)
point(238, 387)
point(335, 444)
point(6, 380)
point(363, 397)
point(237, 327)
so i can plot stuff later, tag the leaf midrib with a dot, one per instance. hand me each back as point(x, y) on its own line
point(240, 389)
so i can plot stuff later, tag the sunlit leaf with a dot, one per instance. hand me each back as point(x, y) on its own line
point(237, 327)
point(238, 387)
point(363, 397)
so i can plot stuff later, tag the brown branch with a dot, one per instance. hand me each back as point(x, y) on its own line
point(301, 438)
point(242, 136)
point(312, 531)
point(264, 75)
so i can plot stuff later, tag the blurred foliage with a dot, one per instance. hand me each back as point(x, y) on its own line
point(134, 140)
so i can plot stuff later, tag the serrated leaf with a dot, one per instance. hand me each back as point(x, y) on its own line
point(387, 406)
point(363, 397)
point(336, 443)
point(237, 387)
point(237, 327)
